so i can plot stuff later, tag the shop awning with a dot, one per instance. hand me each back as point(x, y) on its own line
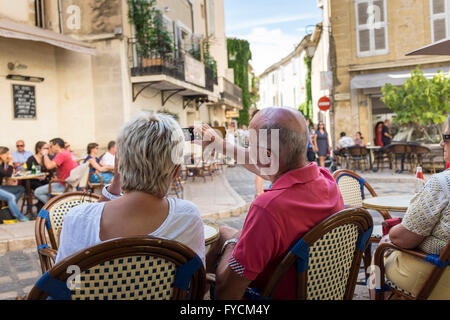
point(441, 47)
point(22, 31)
point(397, 78)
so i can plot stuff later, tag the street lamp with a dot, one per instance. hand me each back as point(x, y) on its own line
point(310, 50)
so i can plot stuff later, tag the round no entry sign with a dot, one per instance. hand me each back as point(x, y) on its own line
point(324, 103)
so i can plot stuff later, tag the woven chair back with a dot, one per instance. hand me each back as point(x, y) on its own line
point(328, 257)
point(137, 268)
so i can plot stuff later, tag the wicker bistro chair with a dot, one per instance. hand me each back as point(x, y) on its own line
point(138, 268)
point(352, 188)
point(49, 223)
point(327, 258)
point(441, 263)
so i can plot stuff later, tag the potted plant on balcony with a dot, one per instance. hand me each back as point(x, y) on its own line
point(160, 42)
point(153, 42)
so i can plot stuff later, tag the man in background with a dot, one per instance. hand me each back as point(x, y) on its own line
point(63, 163)
point(385, 135)
point(21, 155)
point(109, 157)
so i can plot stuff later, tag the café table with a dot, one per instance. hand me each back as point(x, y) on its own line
point(211, 235)
point(398, 203)
point(27, 176)
point(372, 149)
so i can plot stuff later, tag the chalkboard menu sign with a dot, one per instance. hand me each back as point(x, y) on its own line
point(24, 100)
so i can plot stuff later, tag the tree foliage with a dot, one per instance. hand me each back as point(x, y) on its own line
point(152, 39)
point(239, 55)
point(419, 100)
point(307, 108)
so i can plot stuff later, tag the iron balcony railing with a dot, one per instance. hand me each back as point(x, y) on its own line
point(232, 92)
point(168, 63)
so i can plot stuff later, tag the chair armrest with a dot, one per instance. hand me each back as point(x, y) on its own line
point(53, 180)
point(49, 252)
point(379, 262)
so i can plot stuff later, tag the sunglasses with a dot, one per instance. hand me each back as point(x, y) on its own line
point(20, 146)
point(446, 137)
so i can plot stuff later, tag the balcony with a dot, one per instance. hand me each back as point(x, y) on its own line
point(173, 73)
point(232, 94)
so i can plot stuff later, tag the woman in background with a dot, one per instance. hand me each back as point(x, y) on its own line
point(97, 167)
point(321, 145)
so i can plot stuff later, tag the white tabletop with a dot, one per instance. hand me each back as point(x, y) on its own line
point(398, 203)
point(211, 233)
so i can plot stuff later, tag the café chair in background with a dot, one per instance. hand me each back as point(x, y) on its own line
point(49, 224)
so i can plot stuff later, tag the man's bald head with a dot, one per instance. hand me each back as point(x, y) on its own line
point(293, 134)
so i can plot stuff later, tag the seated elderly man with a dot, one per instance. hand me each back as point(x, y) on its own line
point(150, 149)
point(301, 196)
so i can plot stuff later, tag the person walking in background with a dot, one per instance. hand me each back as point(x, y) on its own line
point(321, 144)
point(10, 194)
point(21, 155)
point(385, 135)
point(379, 134)
point(310, 153)
point(97, 167)
point(108, 158)
point(62, 162)
point(359, 140)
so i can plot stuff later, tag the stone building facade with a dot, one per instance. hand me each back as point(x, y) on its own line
point(86, 77)
point(369, 40)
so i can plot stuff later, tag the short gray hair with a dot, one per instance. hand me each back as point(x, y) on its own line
point(149, 149)
point(448, 121)
point(293, 143)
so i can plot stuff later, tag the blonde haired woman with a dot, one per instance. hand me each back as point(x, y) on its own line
point(149, 153)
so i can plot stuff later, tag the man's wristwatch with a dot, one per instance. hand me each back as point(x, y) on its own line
point(234, 240)
point(109, 195)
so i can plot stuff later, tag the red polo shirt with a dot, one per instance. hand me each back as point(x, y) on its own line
point(65, 164)
point(298, 201)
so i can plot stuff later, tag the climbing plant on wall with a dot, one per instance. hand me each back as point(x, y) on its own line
point(239, 55)
point(307, 107)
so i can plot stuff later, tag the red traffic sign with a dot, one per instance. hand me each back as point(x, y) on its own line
point(324, 103)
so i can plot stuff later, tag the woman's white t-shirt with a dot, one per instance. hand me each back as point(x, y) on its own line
point(81, 227)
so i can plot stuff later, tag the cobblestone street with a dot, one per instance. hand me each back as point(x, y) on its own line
point(19, 270)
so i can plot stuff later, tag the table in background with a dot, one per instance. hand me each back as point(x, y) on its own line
point(27, 177)
point(371, 155)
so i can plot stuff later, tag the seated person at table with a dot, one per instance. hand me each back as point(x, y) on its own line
point(108, 158)
point(150, 150)
point(10, 194)
point(21, 155)
point(359, 140)
point(344, 142)
point(426, 226)
point(62, 162)
point(302, 195)
point(40, 148)
point(97, 167)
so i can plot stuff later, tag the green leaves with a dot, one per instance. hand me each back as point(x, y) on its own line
point(151, 36)
point(239, 55)
point(419, 100)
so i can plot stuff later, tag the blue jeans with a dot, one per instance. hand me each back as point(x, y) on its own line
point(12, 194)
point(41, 193)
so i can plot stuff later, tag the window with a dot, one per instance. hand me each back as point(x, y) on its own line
point(212, 27)
point(371, 28)
point(39, 13)
point(440, 14)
